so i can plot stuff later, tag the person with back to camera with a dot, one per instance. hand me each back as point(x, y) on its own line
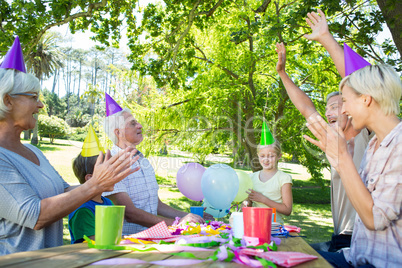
point(34, 198)
point(343, 213)
point(272, 188)
point(139, 191)
point(371, 97)
point(82, 220)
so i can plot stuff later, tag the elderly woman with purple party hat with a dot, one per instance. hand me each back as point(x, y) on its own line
point(34, 198)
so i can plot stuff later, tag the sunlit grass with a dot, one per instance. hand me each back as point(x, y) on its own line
point(311, 208)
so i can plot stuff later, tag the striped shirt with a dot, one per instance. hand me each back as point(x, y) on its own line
point(142, 188)
point(381, 171)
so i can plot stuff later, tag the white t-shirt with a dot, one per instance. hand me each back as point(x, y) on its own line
point(271, 188)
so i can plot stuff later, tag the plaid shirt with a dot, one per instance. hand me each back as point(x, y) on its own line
point(381, 171)
point(142, 188)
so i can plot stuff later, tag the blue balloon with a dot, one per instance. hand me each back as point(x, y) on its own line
point(219, 185)
point(215, 212)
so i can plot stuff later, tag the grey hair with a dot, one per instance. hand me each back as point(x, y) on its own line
point(14, 82)
point(381, 82)
point(113, 122)
point(333, 94)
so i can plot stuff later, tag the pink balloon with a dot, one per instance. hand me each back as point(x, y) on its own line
point(188, 181)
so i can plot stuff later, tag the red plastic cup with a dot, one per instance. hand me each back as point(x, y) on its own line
point(257, 223)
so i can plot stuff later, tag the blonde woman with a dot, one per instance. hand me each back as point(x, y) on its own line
point(371, 97)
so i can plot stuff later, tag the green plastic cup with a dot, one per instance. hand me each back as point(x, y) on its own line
point(108, 225)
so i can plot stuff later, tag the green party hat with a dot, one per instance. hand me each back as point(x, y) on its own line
point(266, 136)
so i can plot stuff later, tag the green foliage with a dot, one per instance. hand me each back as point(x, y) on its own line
point(225, 81)
point(45, 57)
point(214, 65)
point(52, 127)
point(215, 69)
point(93, 94)
point(54, 105)
point(77, 118)
point(31, 19)
point(78, 134)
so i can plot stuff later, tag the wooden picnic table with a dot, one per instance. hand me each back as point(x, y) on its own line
point(79, 255)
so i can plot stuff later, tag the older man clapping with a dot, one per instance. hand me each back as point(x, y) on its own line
point(139, 191)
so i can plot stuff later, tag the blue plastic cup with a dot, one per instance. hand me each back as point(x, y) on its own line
point(197, 210)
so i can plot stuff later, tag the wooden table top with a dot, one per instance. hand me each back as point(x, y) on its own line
point(79, 255)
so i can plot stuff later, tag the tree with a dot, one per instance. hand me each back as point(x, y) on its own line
point(216, 57)
point(217, 60)
point(392, 13)
point(55, 106)
point(43, 61)
point(52, 127)
point(93, 94)
point(79, 56)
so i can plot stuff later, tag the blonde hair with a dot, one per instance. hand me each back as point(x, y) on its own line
point(276, 146)
point(381, 82)
point(14, 82)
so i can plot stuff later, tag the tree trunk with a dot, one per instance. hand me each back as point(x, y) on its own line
point(34, 139)
point(392, 12)
point(79, 82)
point(27, 134)
point(95, 71)
point(54, 80)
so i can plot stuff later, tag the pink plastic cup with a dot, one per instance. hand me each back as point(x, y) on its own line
point(257, 223)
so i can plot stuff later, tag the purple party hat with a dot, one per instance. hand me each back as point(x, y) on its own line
point(353, 61)
point(14, 58)
point(111, 106)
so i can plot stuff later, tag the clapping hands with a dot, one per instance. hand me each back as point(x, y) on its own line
point(330, 140)
point(109, 170)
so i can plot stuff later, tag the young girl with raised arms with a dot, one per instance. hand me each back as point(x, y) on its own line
point(272, 188)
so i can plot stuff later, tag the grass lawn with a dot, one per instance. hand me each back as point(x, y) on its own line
point(311, 204)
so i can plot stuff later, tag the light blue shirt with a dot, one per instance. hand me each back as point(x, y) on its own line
point(23, 185)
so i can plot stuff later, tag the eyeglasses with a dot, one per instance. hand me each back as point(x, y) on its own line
point(35, 96)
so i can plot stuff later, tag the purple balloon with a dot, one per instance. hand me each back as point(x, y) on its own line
point(188, 181)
